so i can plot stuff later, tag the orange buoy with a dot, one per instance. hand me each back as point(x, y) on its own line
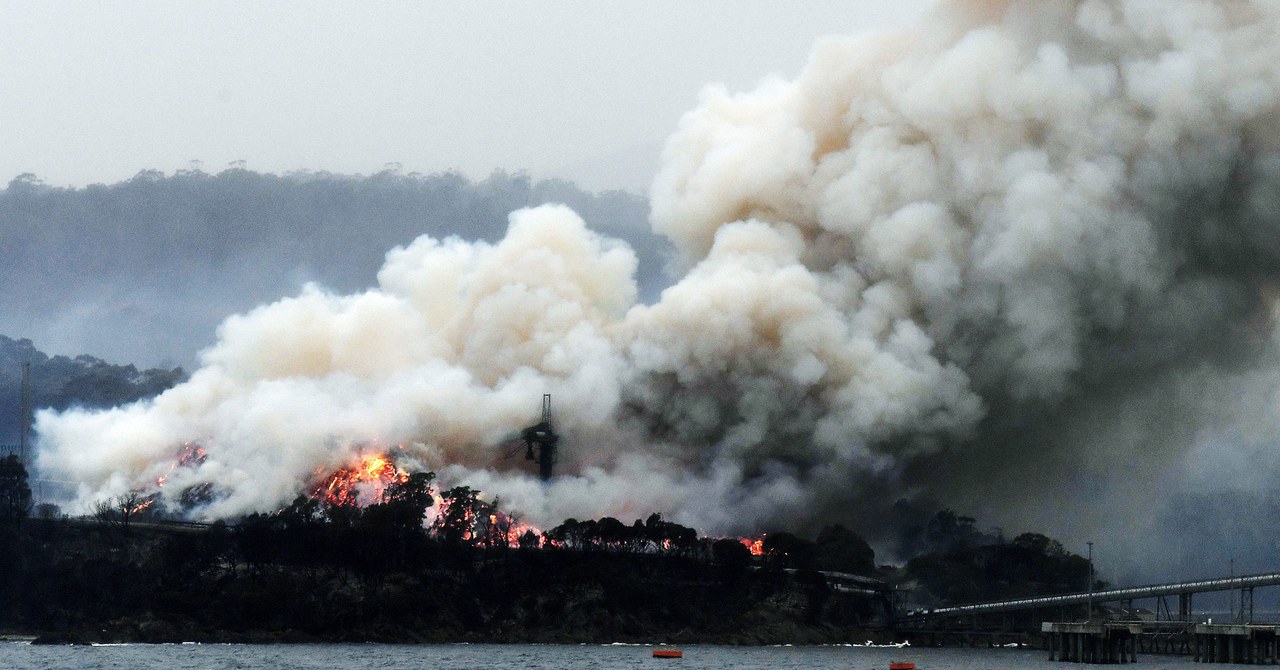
point(902, 665)
point(668, 653)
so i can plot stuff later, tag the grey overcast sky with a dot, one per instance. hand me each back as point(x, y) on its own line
point(587, 90)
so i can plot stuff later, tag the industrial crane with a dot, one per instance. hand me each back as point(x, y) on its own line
point(540, 441)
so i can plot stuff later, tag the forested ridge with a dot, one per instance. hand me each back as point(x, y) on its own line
point(60, 382)
point(143, 270)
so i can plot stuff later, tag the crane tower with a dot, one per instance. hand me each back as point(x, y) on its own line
point(540, 441)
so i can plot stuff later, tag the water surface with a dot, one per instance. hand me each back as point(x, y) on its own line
point(22, 656)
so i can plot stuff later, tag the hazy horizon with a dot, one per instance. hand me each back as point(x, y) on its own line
point(96, 92)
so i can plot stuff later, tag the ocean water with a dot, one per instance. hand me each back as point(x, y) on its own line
point(23, 656)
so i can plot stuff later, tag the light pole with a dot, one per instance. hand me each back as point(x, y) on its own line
point(1090, 580)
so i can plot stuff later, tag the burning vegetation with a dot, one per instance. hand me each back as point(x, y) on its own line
point(362, 483)
point(449, 566)
point(374, 489)
point(459, 515)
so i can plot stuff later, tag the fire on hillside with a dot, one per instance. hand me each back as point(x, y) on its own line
point(362, 483)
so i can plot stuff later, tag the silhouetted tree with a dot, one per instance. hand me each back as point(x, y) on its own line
point(496, 525)
point(963, 571)
point(123, 509)
point(455, 523)
point(840, 549)
point(15, 493)
point(300, 529)
point(407, 501)
point(784, 550)
point(529, 540)
point(567, 535)
point(614, 535)
point(256, 539)
point(948, 531)
point(1040, 544)
point(732, 556)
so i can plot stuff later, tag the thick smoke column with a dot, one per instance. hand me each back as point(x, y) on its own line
point(998, 238)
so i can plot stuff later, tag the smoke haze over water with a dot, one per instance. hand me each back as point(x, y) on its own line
point(1020, 259)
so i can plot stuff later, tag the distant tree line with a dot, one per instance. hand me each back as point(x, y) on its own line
point(60, 382)
point(143, 270)
point(962, 565)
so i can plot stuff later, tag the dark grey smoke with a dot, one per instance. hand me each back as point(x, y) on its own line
point(1077, 203)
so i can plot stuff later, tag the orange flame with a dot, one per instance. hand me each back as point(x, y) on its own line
point(142, 505)
point(361, 483)
point(519, 529)
point(190, 455)
point(754, 545)
point(504, 530)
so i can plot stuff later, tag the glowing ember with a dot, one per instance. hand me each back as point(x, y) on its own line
point(141, 506)
point(190, 455)
point(361, 483)
point(754, 545)
point(523, 532)
point(503, 530)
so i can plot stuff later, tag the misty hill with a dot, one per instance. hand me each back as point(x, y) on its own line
point(144, 270)
point(61, 382)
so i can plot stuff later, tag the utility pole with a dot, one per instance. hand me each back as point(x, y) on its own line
point(1090, 580)
point(25, 409)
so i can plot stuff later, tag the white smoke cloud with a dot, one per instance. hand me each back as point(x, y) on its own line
point(1029, 208)
point(448, 353)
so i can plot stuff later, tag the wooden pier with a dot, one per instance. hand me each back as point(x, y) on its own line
point(1092, 642)
point(1248, 644)
point(1084, 630)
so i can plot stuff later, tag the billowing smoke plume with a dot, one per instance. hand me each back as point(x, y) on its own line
point(1013, 239)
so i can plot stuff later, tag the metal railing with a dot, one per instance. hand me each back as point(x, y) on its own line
point(1109, 595)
